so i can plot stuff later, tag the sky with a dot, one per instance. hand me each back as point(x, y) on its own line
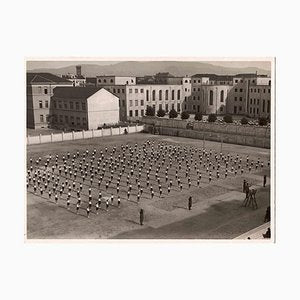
point(266, 65)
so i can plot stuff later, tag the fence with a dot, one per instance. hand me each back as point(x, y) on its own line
point(78, 135)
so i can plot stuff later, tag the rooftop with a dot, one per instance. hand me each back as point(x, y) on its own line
point(45, 78)
point(75, 92)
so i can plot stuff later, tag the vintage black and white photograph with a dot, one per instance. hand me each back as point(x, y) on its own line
point(149, 149)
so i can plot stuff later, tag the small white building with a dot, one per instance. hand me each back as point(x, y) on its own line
point(83, 108)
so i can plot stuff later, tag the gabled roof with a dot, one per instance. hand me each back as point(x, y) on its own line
point(76, 92)
point(33, 78)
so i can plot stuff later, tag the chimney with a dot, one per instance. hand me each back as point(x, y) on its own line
point(78, 70)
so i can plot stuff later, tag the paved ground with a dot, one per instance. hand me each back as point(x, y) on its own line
point(216, 212)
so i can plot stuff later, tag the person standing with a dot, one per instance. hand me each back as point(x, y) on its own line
point(141, 216)
point(265, 180)
point(190, 203)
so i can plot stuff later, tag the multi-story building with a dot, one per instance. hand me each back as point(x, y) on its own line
point(134, 98)
point(83, 108)
point(220, 94)
point(40, 88)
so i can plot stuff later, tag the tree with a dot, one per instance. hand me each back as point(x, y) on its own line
point(262, 121)
point(244, 121)
point(173, 113)
point(150, 111)
point(227, 119)
point(185, 115)
point(198, 116)
point(212, 118)
point(161, 113)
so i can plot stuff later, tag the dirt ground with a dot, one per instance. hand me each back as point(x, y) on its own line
point(217, 211)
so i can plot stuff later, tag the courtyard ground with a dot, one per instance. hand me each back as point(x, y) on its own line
point(217, 211)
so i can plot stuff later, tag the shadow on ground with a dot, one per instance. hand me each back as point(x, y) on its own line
point(225, 220)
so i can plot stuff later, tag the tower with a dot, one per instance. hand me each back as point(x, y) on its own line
point(78, 70)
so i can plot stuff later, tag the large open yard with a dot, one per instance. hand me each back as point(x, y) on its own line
point(217, 211)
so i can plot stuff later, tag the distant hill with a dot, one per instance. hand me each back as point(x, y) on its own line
point(137, 68)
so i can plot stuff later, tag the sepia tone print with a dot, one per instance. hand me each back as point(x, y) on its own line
point(150, 149)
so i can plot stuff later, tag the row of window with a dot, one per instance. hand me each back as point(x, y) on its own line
point(69, 105)
point(116, 91)
point(43, 90)
point(136, 102)
point(69, 120)
point(43, 106)
point(258, 90)
point(44, 118)
point(106, 80)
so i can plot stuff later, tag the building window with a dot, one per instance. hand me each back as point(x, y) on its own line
point(167, 95)
point(194, 107)
point(111, 81)
point(78, 120)
point(77, 105)
point(41, 118)
point(59, 104)
point(71, 105)
point(236, 90)
point(269, 91)
point(257, 111)
point(130, 103)
point(153, 95)
point(142, 102)
point(61, 120)
point(251, 101)
point(99, 80)
point(83, 105)
point(136, 102)
point(254, 101)
point(66, 119)
point(178, 107)
point(222, 96)
point(173, 95)
point(240, 108)
point(130, 91)
point(114, 91)
point(160, 106)
point(254, 90)
point(264, 103)
point(142, 112)
point(235, 98)
point(160, 94)
point(40, 104)
point(83, 121)
point(178, 95)
point(167, 107)
point(153, 106)
point(250, 90)
point(257, 101)
point(221, 109)
point(241, 98)
point(136, 91)
point(268, 107)
point(72, 120)
point(130, 113)
point(250, 110)
point(136, 113)
point(54, 104)
point(123, 91)
point(269, 82)
point(132, 80)
point(104, 80)
point(236, 81)
point(173, 106)
point(147, 95)
point(241, 90)
point(47, 104)
point(46, 91)
point(211, 97)
point(65, 105)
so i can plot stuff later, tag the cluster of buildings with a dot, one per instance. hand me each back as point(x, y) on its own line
point(73, 102)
